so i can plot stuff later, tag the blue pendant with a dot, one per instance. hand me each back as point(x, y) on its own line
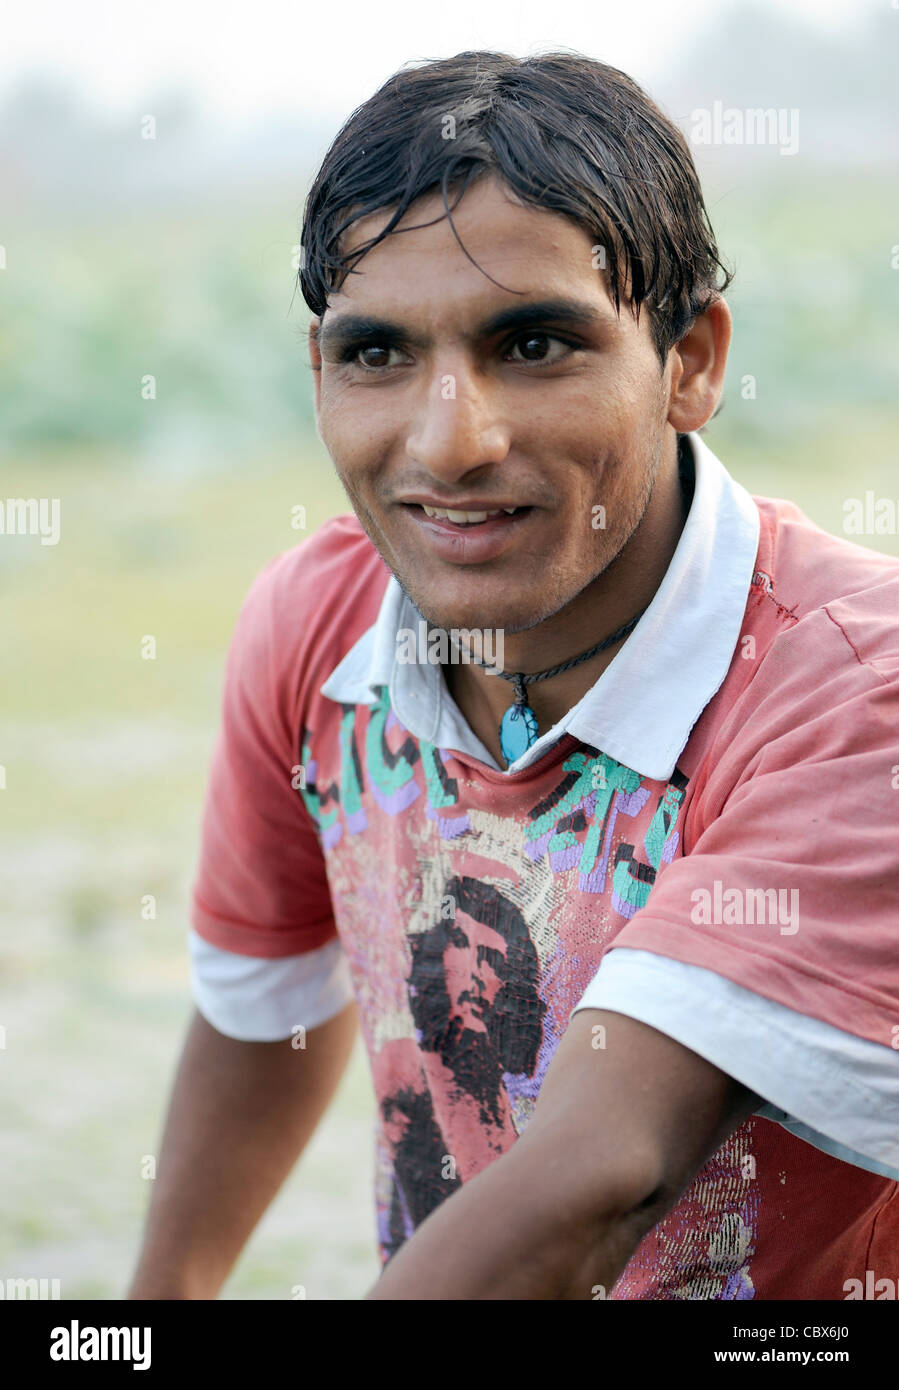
point(517, 732)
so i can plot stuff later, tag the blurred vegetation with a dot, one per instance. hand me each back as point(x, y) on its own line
point(198, 299)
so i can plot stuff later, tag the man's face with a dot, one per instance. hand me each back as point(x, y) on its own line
point(474, 975)
point(553, 416)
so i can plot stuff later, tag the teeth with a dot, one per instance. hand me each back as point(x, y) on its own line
point(465, 518)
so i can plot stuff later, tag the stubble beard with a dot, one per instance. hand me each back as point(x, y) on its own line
point(538, 612)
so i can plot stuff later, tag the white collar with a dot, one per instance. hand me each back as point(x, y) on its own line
point(643, 706)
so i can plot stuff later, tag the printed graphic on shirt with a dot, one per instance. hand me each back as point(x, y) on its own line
point(471, 936)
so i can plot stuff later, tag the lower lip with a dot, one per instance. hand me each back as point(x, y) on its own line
point(469, 545)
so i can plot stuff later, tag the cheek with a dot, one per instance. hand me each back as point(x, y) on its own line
point(339, 409)
point(619, 405)
point(334, 425)
point(359, 444)
point(349, 448)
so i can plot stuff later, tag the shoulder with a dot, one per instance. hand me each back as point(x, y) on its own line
point(815, 672)
point(308, 606)
point(811, 581)
point(337, 560)
point(824, 605)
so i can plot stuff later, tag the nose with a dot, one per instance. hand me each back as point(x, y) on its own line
point(458, 426)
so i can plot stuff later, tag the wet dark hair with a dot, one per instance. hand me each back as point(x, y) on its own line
point(563, 132)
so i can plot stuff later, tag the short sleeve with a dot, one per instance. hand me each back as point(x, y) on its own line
point(261, 887)
point(256, 1000)
point(836, 1091)
point(790, 887)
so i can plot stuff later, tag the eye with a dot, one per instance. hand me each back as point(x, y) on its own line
point(370, 357)
point(537, 348)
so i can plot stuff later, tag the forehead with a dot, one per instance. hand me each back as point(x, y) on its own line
point(530, 251)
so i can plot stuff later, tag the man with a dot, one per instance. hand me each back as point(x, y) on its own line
point(665, 829)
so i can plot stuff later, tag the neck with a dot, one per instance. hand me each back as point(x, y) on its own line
point(611, 600)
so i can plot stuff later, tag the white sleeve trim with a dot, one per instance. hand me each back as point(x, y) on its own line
point(836, 1091)
point(257, 1000)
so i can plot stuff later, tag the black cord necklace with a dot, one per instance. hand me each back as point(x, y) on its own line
point(518, 728)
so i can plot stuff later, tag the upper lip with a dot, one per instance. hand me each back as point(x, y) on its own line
point(472, 505)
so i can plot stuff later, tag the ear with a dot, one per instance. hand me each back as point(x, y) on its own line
point(697, 368)
point(315, 362)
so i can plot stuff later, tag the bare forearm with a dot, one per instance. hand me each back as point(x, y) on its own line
point(617, 1133)
point(506, 1235)
point(239, 1116)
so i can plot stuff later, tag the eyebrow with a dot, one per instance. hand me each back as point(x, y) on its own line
point(347, 329)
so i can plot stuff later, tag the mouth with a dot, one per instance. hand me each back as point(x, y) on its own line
point(466, 519)
point(467, 536)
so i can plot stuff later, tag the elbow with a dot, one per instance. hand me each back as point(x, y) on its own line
point(623, 1208)
point(591, 1213)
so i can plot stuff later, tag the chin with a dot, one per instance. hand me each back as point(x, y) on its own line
point(495, 615)
point(474, 601)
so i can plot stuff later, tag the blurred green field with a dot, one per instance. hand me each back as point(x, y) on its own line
point(105, 758)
